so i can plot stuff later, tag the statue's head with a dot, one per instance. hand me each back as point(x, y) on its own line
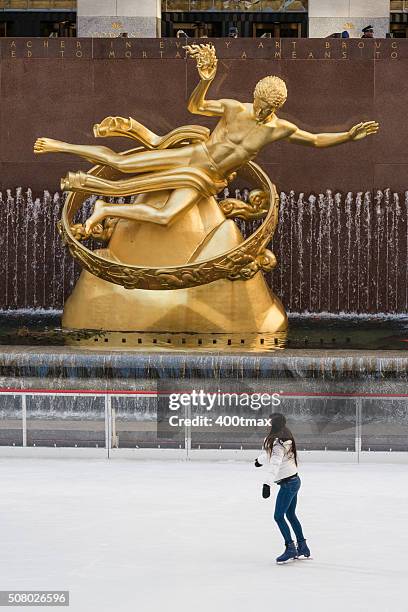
point(269, 95)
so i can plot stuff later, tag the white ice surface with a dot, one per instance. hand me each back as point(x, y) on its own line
point(180, 537)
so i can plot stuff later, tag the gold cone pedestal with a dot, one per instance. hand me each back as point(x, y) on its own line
point(222, 306)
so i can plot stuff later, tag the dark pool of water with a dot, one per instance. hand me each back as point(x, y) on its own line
point(311, 332)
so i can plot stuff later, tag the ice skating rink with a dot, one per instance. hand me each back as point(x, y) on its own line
point(179, 537)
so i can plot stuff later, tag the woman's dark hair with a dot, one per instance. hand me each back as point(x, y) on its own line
point(280, 432)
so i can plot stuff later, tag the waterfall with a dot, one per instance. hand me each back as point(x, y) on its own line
point(336, 253)
point(300, 252)
point(405, 281)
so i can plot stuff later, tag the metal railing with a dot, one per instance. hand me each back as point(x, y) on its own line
point(105, 425)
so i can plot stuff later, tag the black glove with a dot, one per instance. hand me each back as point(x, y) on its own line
point(257, 464)
point(266, 491)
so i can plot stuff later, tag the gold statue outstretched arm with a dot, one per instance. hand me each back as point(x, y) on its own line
point(207, 69)
point(357, 132)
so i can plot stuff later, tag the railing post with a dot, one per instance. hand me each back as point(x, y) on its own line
point(24, 417)
point(358, 428)
point(187, 431)
point(108, 424)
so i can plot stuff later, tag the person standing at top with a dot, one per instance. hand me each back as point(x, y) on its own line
point(279, 460)
point(368, 32)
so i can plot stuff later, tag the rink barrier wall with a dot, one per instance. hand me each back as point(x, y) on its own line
point(205, 455)
point(109, 451)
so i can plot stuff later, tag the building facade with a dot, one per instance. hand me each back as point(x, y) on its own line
point(248, 18)
point(105, 18)
point(200, 18)
point(328, 16)
point(38, 17)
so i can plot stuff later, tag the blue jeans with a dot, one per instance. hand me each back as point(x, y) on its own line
point(286, 504)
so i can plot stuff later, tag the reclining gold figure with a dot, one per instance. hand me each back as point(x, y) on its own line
point(174, 178)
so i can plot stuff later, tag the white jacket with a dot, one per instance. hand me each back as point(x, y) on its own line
point(280, 464)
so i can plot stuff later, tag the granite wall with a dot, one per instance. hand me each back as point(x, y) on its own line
point(60, 88)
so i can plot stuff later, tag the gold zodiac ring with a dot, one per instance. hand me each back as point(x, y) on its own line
point(240, 263)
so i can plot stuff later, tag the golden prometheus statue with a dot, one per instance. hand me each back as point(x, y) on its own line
point(174, 258)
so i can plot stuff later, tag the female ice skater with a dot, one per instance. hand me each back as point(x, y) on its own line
point(279, 459)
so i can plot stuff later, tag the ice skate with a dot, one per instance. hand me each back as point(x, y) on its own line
point(303, 550)
point(290, 554)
